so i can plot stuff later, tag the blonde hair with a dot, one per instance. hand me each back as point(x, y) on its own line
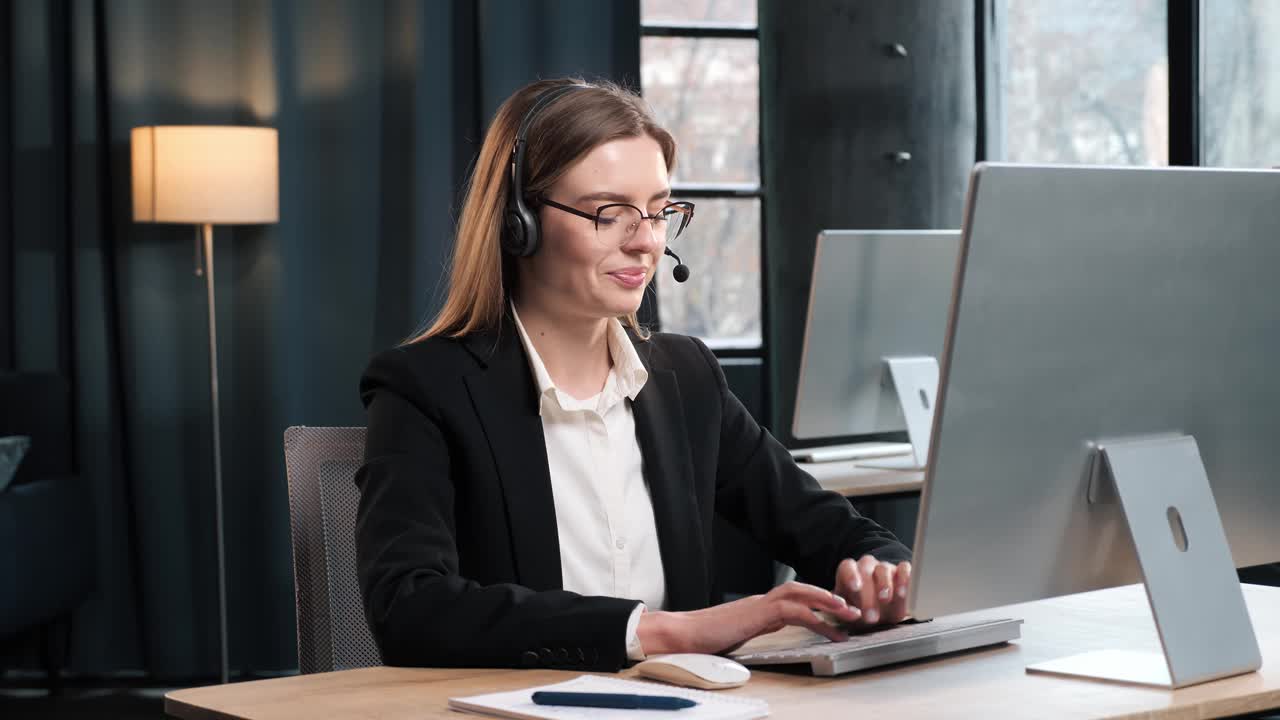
point(481, 275)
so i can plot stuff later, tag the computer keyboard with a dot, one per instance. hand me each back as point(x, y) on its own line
point(857, 451)
point(891, 645)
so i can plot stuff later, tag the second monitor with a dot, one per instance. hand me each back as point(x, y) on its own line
point(876, 324)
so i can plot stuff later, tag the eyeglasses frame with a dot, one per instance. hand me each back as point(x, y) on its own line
point(687, 217)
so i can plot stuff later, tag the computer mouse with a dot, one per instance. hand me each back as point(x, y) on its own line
point(707, 672)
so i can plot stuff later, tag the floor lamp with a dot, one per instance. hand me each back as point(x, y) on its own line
point(207, 175)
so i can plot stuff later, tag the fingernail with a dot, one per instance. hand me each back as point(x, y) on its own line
point(884, 593)
point(839, 599)
point(873, 616)
point(902, 592)
point(857, 583)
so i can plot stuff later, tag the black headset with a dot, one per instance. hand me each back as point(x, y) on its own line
point(522, 236)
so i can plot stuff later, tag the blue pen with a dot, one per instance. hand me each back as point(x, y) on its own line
point(620, 701)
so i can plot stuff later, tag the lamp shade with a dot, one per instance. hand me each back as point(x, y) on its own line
point(205, 174)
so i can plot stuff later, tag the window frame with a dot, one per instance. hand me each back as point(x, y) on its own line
point(1186, 53)
point(1186, 91)
point(717, 190)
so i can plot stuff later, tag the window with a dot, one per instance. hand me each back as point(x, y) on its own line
point(721, 301)
point(707, 91)
point(660, 12)
point(700, 70)
point(1084, 81)
point(1241, 83)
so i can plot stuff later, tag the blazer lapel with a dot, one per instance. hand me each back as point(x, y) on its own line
point(506, 401)
point(668, 469)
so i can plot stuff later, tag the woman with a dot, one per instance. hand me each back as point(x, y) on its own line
point(541, 473)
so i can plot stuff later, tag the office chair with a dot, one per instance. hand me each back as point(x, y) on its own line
point(332, 631)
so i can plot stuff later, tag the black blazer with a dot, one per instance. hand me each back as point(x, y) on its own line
point(457, 549)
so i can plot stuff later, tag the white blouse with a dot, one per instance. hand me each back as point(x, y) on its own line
point(604, 515)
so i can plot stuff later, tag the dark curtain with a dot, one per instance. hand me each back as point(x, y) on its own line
point(380, 108)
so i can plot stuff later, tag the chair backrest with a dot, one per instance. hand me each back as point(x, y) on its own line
point(321, 463)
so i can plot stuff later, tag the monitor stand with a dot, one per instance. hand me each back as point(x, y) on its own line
point(915, 382)
point(1182, 550)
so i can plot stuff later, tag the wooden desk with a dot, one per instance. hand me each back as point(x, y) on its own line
point(989, 683)
point(846, 478)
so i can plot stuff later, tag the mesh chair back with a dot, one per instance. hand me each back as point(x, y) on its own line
point(332, 632)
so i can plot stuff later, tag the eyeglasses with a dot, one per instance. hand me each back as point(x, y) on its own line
point(617, 223)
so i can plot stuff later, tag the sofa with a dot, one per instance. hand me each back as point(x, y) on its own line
point(47, 550)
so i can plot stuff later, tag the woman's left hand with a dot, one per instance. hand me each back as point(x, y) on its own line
point(878, 589)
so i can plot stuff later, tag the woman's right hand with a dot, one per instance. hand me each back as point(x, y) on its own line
point(724, 627)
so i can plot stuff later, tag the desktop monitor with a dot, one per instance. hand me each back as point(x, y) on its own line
point(876, 323)
point(1109, 390)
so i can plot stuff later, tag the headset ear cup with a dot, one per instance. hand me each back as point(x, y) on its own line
point(521, 232)
point(532, 233)
point(513, 235)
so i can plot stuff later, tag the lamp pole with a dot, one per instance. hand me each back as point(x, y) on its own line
point(206, 232)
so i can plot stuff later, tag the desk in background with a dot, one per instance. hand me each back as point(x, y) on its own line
point(846, 478)
point(990, 682)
